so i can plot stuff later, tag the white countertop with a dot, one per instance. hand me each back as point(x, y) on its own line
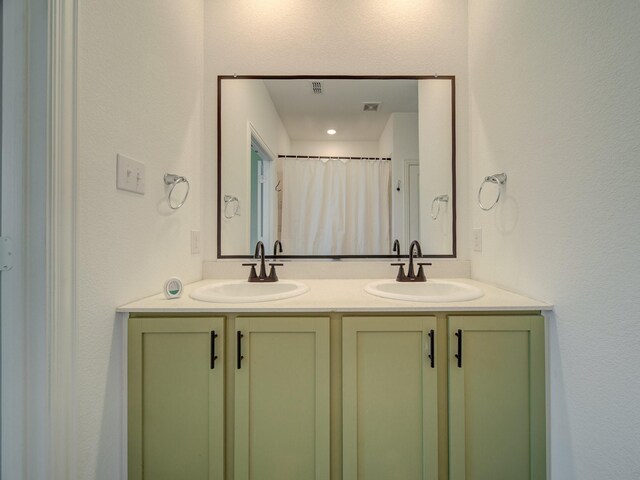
point(338, 295)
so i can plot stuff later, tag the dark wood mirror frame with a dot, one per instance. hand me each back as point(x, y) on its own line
point(450, 78)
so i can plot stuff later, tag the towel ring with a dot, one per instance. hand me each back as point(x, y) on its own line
point(438, 200)
point(173, 180)
point(229, 199)
point(497, 179)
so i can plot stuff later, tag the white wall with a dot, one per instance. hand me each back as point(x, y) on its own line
point(140, 86)
point(351, 38)
point(385, 141)
point(246, 105)
point(555, 103)
point(434, 107)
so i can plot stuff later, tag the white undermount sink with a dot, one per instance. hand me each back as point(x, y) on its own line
point(241, 291)
point(435, 291)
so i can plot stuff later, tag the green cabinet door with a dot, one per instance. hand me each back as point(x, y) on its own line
point(176, 396)
point(497, 398)
point(390, 398)
point(281, 429)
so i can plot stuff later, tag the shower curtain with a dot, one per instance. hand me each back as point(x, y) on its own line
point(335, 206)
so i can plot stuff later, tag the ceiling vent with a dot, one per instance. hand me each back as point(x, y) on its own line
point(316, 86)
point(370, 106)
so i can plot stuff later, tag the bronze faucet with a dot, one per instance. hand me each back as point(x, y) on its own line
point(401, 275)
point(414, 247)
point(396, 247)
point(262, 276)
point(277, 247)
point(411, 276)
point(259, 253)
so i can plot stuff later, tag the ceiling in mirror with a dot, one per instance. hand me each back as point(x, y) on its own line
point(356, 110)
point(336, 167)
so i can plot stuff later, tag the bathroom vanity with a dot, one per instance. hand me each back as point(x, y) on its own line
point(336, 379)
point(337, 384)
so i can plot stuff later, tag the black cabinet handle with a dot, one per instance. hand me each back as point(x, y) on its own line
point(214, 357)
point(459, 354)
point(239, 349)
point(432, 353)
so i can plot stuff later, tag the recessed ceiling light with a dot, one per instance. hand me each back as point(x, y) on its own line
point(331, 131)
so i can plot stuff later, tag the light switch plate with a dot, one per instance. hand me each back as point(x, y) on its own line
point(130, 175)
point(477, 239)
point(195, 241)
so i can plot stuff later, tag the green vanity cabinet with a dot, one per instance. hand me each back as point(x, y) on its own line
point(496, 398)
point(176, 392)
point(390, 398)
point(281, 427)
point(367, 396)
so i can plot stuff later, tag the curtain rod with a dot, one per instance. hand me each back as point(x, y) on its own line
point(334, 158)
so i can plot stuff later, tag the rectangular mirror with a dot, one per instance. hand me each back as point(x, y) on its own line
point(336, 166)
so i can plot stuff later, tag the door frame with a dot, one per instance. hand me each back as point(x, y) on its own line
point(61, 236)
point(39, 197)
point(13, 315)
point(267, 155)
point(406, 198)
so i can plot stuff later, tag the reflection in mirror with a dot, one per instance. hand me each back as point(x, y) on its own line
point(336, 166)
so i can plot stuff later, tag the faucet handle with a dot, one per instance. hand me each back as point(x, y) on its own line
point(273, 277)
point(402, 277)
point(421, 277)
point(253, 276)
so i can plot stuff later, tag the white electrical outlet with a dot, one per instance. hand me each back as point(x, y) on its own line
point(477, 239)
point(130, 175)
point(195, 241)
